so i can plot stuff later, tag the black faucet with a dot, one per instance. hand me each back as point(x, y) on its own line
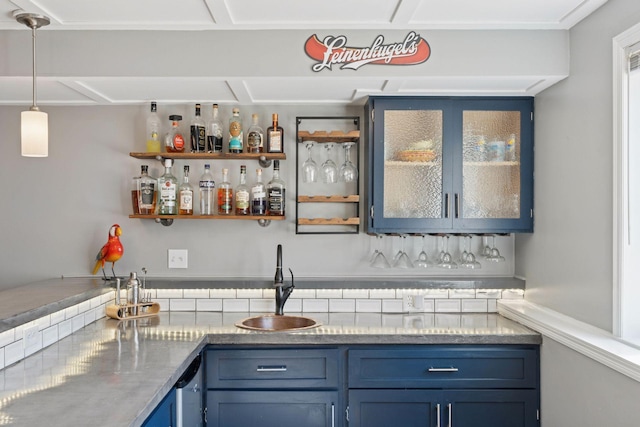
point(282, 292)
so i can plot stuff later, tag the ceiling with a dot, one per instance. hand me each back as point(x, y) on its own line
point(165, 15)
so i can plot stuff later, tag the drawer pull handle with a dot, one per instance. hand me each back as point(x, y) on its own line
point(267, 368)
point(451, 369)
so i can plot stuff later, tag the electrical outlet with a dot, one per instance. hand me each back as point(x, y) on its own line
point(412, 303)
point(32, 339)
point(178, 258)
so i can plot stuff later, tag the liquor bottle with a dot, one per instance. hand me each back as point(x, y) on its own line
point(255, 136)
point(174, 142)
point(135, 194)
point(225, 195)
point(242, 194)
point(275, 137)
point(276, 192)
point(207, 187)
point(258, 195)
point(214, 136)
point(147, 193)
point(510, 149)
point(236, 135)
point(167, 191)
point(198, 138)
point(186, 194)
point(153, 130)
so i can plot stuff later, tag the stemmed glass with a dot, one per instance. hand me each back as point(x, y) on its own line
point(495, 256)
point(309, 167)
point(486, 249)
point(348, 171)
point(378, 260)
point(423, 258)
point(329, 167)
point(402, 259)
point(446, 260)
point(469, 261)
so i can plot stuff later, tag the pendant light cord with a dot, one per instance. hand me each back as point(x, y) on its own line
point(34, 107)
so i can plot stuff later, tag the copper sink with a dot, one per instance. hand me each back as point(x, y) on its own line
point(273, 323)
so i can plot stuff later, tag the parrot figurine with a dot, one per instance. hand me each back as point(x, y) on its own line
point(110, 252)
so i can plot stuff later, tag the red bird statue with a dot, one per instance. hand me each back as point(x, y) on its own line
point(110, 252)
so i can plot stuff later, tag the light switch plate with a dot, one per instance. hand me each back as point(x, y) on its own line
point(178, 258)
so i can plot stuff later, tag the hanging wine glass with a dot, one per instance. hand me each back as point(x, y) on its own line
point(402, 259)
point(309, 167)
point(329, 167)
point(423, 259)
point(348, 171)
point(379, 260)
point(495, 253)
point(447, 259)
point(470, 259)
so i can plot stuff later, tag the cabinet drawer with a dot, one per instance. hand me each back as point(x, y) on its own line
point(272, 368)
point(444, 366)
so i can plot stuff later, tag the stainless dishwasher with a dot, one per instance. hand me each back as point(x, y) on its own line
point(189, 396)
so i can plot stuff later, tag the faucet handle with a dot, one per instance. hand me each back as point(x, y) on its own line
point(292, 285)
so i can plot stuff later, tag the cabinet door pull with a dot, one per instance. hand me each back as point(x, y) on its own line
point(268, 368)
point(333, 415)
point(450, 369)
point(456, 211)
point(446, 205)
point(450, 420)
point(437, 415)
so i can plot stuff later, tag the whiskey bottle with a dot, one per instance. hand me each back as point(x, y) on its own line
point(242, 194)
point(174, 142)
point(198, 138)
point(207, 187)
point(258, 195)
point(236, 135)
point(225, 195)
point(255, 136)
point(167, 191)
point(214, 136)
point(153, 130)
point(276, 192)
point(186, 194)
point(147, 193)
point(275, 136)
point(135, 194)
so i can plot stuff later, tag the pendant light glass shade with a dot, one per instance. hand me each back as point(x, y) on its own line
point(34, 133)
point(34, 124)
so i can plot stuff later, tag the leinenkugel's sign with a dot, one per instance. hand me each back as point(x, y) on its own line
point(333, 50)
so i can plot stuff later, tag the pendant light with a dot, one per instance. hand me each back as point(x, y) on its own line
point(34, 124)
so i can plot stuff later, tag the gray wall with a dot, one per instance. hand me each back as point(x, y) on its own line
point(567, 262)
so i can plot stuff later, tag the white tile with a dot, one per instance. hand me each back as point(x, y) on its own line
point(304, 293)
point(70, 312)
point(95, 301)
point(368, 306)
point(64, 328)
point(355, 293)
point(213, 304)
point(341, 305)
point(429, 306)
point(222, 293)
point(382, 293)
point(436, 293)
point(492, 305)
point(19, 330)
point(329, 293)
point(294, 305)
point(474, 306)
point(257, 305)
point(462, 293)
point(315, 305)
point(392, 306)
point(13, 353)
point(77, 322)
point(43, 322)
point(164, 303)
point(235, 305)
point(513, 294)
point(169, 293)
point(57, 317)
point(84, 306)
point(448, 306)
point(1, 358)
point(196, 293)
point(182, 304)
point(89, 316)
point(107, 297)
point(488, 293)
point(269, 293)
point(7, 337)
point(49, 335)
point(249, 293)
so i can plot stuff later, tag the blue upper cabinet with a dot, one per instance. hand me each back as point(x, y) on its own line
point(449, 164)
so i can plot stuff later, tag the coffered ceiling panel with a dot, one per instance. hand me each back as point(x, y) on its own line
point(17, 90)
point(468, 86)
point(319, 90)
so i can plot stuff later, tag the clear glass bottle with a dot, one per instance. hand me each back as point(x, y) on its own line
point(275, 136)
point(276, 192)
point(135, 194)
point(225, 195)
point(258, 195)
point(147, 192)
point(255, 136)
point(153, 130)
point(186, 194)
point(198, 137)
point(214, 135)
point(174, 141)
point(242, 194)
point(207, 188)
point(236, 136)
point(167, 191)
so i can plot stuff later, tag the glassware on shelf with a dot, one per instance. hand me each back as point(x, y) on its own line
point(348, 171)
point(469, 259)
point(378, 260)
point(446, 260)
point(402, 259)
point(494, 255)
point(309, 167)
point(329, 167)
point(423, 259)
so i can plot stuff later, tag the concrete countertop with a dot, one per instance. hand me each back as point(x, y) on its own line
point(113, 373)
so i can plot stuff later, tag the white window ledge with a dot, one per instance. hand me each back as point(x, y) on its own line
point(598, 344)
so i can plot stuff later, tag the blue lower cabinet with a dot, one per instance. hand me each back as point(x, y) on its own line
point(391, 408)
point(243, 408)
point(165, 413)
point(490, 408)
